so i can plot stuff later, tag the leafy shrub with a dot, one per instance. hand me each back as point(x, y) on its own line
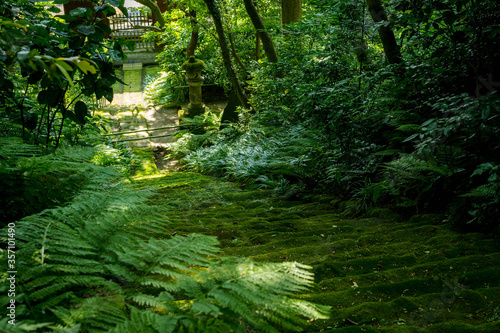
point(159, 89)
point(285, 153)
point(197, 132)
point(479, 208)
point(53, 72)
point(33, 180)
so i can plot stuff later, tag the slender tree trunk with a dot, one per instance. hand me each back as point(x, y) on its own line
point(391, 49)
point(235, 55)
point(267, 42)
point(215, 13)
point(155, 9)
point(291, 11)
point(257, 46)
point(194, 35)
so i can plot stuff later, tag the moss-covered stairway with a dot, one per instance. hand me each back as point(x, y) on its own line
point(378, 275)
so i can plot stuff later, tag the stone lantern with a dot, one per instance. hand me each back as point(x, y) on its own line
point(193, 68)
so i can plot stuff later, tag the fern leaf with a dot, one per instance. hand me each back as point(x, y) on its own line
point(147, 300)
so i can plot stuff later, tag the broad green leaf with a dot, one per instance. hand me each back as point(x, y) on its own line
point(71, 115)
point(86, 67)
point(49, 96)
point(78, 11)
point(115, 3)
point(54, 9)
point(86, 29)
point(62, 63)
point(81, 111)
point(108, 94)
point(104, 27)
point(66, 75)
point(22, 55)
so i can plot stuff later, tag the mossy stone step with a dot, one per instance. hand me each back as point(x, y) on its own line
point(377, 274)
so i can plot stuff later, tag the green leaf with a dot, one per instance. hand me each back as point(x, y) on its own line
point(86, 29)
point(54, 9)
point(61, 2)
point(81, 111)
point(49, 96)
point(411, 137)
point(86, 66)
point(65, 73)
point(109, 11)
point(63, 64)
point(22, 55)
point(104, 27)
point(100, 8)
point(108, 94)
point(78, 11)
point(123, 10)
point(71, 115)
point(115, 3)
point(45, 82)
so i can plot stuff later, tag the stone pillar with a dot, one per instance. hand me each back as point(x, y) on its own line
point(193, 68)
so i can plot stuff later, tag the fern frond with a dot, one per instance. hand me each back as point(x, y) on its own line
point(147, 300)
point(48, 291)
point(483, 191)
point(96, 312)
point(139, 322)
point(205, 307)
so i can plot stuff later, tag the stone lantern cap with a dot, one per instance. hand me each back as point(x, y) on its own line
point(193, 67)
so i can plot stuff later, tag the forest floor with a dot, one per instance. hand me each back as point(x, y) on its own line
point(377, 274)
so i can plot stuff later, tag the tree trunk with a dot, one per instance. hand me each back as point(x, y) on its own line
point(155, 9)
point(257, 46)
point(235, 55)
point(391, 49)
point(291, 11)
point(194, 35)
point(267, 42)
point(215, 13)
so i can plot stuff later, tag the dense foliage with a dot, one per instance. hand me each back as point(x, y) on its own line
point(332, 115)
point(102, 262)
point(335, 114)
point(54, 68)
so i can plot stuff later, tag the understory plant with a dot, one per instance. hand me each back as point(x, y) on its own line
point(279, 154)
point(102, 263)
point(165, 87)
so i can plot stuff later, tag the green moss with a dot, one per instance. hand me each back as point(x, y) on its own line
point(193, 64)
point(145, 161)
point(383, 213)
point(248, 195)
point(394, 276)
